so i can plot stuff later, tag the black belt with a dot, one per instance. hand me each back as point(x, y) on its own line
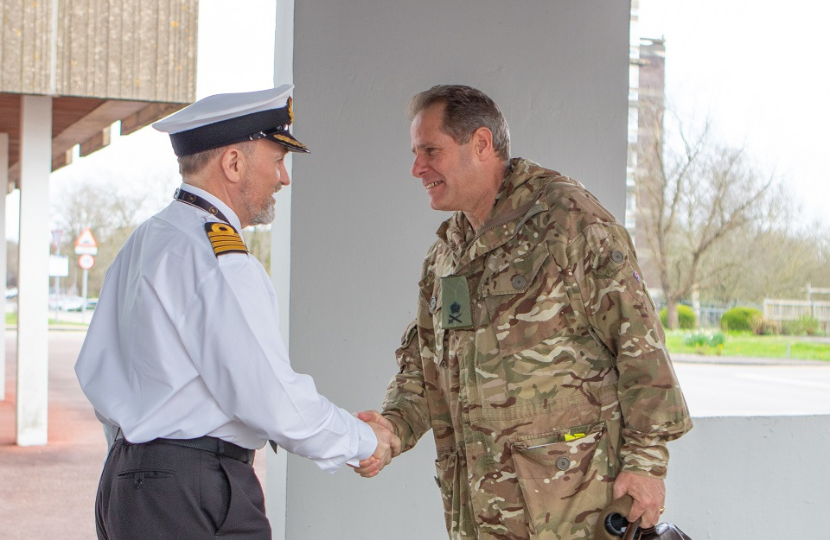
point(208, 444)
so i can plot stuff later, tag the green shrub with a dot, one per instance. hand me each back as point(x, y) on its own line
point(705, 343)
point(688, 319)
point(739, 319)
point(718, 339)
point(762, 327)
point(801, 326)
point(697, 339)
point(811, 325)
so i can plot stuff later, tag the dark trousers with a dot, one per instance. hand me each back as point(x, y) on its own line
point(155, 490)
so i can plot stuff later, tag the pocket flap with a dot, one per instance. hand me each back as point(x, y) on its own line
point(514, 275)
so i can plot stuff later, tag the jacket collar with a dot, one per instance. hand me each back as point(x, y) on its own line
point(517, 201)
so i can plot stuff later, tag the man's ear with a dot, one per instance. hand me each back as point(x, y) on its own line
point(233, 163)
point(482, 140)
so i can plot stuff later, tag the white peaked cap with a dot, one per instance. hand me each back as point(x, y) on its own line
point(224, 119)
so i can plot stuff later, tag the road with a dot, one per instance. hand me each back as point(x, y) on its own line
point(755, 390)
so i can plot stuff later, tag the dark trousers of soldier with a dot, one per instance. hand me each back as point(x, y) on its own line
point(154, 490)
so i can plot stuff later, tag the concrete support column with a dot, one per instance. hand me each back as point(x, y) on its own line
point(33, 296)
point(4, 183)
point(277, 464)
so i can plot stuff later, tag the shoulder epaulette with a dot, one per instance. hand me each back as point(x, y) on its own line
point(224, 239)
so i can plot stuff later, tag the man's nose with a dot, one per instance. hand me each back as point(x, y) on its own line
point(418, 167)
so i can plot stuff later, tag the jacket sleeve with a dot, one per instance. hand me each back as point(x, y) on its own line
point(623, 319)
point(405, 404)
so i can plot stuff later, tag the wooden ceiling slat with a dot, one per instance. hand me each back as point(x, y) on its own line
point(78, 120)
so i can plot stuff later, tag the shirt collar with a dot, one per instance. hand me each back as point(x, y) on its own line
point(214, 200)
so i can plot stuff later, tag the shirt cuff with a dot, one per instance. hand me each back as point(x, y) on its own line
point(366, 444)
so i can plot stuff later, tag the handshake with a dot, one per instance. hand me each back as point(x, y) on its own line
point(389, 445)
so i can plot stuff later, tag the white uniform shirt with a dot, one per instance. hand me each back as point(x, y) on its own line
point(184, 344)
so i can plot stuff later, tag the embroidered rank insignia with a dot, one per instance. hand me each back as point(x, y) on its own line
point(224, 239)
point(455, 303)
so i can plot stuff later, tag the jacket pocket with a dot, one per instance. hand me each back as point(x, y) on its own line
point(525, 299)
point(565, 480)
point(446, 469)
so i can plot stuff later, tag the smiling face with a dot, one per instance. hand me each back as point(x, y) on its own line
point(265, 175)
point(449, 171)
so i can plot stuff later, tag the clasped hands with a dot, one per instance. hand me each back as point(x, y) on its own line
point(389, 445)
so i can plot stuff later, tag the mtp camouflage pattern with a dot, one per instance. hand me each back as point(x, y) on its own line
point(563, 380)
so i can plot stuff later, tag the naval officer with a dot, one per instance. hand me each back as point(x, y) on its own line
point(183, 362)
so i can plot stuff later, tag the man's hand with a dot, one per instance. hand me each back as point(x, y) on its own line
point(649, 496)
point(389, 445)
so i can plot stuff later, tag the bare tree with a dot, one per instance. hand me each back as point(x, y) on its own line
point(258, 240)
point(111, 217)
point(12, 255)
point(775, 259)
point(690, 200)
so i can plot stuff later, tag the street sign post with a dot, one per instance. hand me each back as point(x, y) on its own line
point(86, 247)
point(58, 266)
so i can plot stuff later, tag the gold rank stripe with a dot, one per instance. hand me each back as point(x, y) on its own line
point(224, 239)
point(288, 140)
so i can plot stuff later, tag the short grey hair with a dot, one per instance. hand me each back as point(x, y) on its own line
point(465, 110)
point(192, 164)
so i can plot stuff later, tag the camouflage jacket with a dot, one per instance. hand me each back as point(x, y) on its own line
point(561, 380)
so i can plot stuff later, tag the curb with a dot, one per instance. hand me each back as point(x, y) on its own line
point(744, 361)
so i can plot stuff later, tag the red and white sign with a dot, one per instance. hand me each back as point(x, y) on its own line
point(86, 261)
point(85, 243)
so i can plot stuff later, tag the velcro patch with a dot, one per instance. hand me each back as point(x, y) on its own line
point(224, 239)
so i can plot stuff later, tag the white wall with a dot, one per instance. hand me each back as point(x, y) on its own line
point(764, 478)
point(361, 224)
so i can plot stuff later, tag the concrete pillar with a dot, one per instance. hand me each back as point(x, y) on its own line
point(33, 296)
point(361, 224)
point(277, 464)
point(4, 183)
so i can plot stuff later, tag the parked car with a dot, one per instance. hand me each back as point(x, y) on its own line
point(66, 303)
point(78, 305)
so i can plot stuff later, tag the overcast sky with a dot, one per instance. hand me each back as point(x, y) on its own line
point(756, 68)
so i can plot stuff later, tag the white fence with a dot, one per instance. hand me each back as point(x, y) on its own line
point(792, 310)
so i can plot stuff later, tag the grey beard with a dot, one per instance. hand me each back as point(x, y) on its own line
point(264, 216)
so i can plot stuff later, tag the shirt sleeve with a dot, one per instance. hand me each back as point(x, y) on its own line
point(623, 319)
point(231, 331)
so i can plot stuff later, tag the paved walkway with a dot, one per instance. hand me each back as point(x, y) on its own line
point(48, 492)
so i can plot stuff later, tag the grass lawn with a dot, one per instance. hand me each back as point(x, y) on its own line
point(11, 318)
point(748, 344)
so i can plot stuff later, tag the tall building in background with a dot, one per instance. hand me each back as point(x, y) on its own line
point(646, 106)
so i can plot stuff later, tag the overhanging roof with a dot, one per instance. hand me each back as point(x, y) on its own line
point(132, 61)
point(78, 121)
